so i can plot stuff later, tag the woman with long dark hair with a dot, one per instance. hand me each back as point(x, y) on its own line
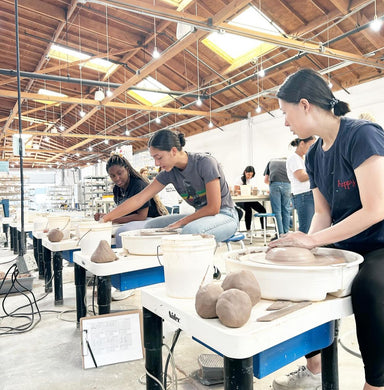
point(345, 168)
point(199, 180)
point(247, 178)
point(128, 182)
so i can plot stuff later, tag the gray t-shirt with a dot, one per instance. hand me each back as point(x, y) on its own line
point(190, 182)
point(276, 169)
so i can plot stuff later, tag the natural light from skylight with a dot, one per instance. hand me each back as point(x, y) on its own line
point(238, 50)
point(150, 98)
point(70, 55)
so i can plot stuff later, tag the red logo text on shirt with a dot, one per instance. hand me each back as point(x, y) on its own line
point(346, 184)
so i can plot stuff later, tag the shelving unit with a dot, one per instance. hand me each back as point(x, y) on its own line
point(10, 188)
point(94, 187)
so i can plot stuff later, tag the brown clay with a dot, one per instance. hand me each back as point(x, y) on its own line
point(206, 299)
point(234, 308)
point(103, 253)
point(55, 235)
point(243, 280)
point(291, 254)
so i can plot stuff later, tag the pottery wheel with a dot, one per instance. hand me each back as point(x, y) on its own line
point(157, 232)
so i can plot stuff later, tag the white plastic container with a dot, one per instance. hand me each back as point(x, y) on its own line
point(90, 235)
point(39, 224)
point(188, 263)
point(245, 190)
point(295, 282)
point(61, 222)
point(143, 241)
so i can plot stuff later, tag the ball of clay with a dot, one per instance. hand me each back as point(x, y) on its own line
point(55, 235)
point(291, 254)
point(103, 253)
point(234, 308)
point(206, 299)
point(243, 280)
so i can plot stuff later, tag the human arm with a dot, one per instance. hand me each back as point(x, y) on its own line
point(301, 175)
point(266, 179)
point(213, 194)
point(134, 202)
point(372, 211)
point(139, 215)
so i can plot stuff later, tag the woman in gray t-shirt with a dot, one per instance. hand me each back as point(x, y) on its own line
point(199, 180)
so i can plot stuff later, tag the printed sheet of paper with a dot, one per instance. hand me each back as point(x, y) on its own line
point(111, 338)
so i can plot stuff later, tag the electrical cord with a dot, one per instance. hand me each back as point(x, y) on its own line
point(349, 350)
point(174, 341)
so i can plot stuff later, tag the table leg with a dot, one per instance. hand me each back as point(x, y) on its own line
point(58, 277)
point(6, 230)
point(238, 373)
point(14, 240)
point(81, 297)
point(153, 340)
point(39, 258)
point(104, 294)
point(47, 258)
point(329, 364)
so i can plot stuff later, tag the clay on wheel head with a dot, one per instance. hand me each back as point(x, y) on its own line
point(291, 254)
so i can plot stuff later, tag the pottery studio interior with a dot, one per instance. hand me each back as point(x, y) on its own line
point(191, 194)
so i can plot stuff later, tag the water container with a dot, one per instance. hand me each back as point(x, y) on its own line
point(90, 235)
point(188, 263)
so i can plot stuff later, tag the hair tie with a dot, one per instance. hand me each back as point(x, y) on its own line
point(333, 102)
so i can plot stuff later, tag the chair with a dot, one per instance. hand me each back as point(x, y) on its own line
point(237, 237)
point(265, 217)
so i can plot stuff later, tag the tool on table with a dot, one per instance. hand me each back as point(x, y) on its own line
point(282, 312)
point(277, 305)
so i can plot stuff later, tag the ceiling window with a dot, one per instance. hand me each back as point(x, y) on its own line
point(70, 55)
point(238, 50)
point(148, 95)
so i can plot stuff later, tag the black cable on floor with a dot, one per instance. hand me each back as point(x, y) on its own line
point(174, 341)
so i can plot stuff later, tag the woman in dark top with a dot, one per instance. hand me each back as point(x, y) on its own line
point(128, 182)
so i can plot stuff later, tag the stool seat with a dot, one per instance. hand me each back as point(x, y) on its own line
point(236, 237)
point(264, 230)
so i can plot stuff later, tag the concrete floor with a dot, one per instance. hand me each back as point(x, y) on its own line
point(49, 355)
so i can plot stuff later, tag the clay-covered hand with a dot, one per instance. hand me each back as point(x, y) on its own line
point(98, 216)
point(297, 239)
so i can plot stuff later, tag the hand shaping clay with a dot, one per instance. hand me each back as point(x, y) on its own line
point(234, 308)
point(243, 280)
point(291, 254)
point(206, 299)
point(103, 253)
point(55, 235)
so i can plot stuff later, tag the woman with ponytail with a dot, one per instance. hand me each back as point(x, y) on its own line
point(199, 180)
point(346, 172)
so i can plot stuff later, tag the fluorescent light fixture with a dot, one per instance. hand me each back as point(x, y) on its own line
point(48, 92)
point(31, 120)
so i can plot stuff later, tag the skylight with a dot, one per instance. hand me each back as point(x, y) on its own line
point(238, 50)
point(70, 55)
point(150, 98)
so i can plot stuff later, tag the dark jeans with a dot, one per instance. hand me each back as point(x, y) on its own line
point(248, 206)
point(303, 203)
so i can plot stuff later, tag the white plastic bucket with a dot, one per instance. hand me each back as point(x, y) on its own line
point(188, 263)
point(61, 222)
point(39, 224)
point(90, 235)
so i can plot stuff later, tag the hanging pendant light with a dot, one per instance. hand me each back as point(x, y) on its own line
point(99, 95)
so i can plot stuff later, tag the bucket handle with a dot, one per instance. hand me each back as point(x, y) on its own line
point(158, 255)
point(78, 242)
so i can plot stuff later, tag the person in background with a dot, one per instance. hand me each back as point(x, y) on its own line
point(248, 178)
point(144, 172)
point(128, 182)
point(199, 180)
point(345, 168)
point(367, 116)
point(275, 174)
point(302, 197)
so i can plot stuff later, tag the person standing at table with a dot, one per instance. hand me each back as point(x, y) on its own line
point(128, 182)
point(199, 180)
point(302, 197)
point(248, 178)
point(345, 168)
point(275, 174)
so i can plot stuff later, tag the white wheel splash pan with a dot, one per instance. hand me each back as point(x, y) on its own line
point(144, 241)
point(295, 282)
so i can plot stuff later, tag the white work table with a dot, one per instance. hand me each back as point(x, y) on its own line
point(128, 272)
point(239, 346)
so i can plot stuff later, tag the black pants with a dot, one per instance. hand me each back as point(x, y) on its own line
point(248, 206)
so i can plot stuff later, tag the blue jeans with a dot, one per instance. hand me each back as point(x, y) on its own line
point(222, 225)
point(305, 207)
point(280, 197)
